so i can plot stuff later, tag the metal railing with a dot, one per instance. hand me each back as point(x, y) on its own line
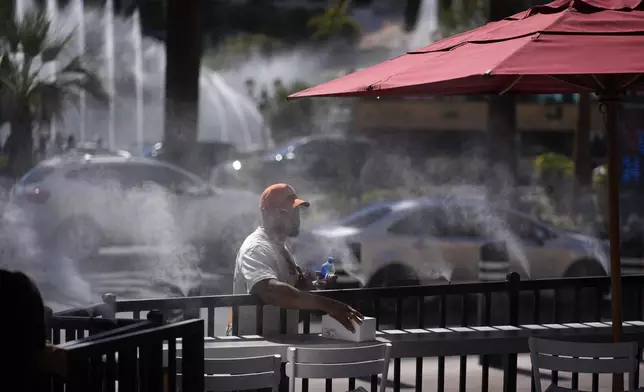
point(99, 319)
point(135, 360)
point(510, 302)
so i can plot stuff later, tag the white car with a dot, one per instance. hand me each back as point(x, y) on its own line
point(81, 205)
point(428, 239)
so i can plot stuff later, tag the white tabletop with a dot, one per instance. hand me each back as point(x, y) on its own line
point(429, 342)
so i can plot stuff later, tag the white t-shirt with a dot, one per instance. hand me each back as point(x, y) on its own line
point(261, 257)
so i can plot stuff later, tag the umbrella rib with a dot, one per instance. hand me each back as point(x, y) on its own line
point(511, 85)
point(569, 82)
point(599, 82)
point(628, 84)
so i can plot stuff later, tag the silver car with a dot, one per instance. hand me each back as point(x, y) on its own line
point(84, 205)
point(428, 239)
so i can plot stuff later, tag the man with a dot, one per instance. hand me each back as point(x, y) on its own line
point(266, 267)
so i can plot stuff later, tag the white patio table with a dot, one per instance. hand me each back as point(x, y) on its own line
point(428, 342)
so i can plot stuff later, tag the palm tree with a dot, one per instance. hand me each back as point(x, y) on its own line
point(29, 96)
point(334, 22)
point(183, 43)
point(412, 7)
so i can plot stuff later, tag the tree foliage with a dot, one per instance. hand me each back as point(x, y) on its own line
point(243, 47)
point(334, 23)
point(31, 93)
point(457, 17)
point(288, 119)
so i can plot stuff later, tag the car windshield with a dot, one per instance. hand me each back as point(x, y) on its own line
point(285, 148)
point(364, 218)
point(38, 174)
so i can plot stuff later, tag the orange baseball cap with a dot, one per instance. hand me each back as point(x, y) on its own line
point(280, 197)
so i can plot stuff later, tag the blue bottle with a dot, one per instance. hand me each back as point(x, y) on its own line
point(328, 268)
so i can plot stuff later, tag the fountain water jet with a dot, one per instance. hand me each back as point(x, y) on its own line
point(52, 14)
point(426, 26)
point(20, 8)
point(132, 68)
point(78, 12)
point(108, 14)
point(227, 92)
point(219, 108)
point(138, 77)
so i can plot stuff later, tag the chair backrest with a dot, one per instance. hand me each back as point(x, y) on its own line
point(240, 374)
point(578, 357)
point(331, 363)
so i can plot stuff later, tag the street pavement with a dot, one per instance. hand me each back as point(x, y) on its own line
point(472, 379)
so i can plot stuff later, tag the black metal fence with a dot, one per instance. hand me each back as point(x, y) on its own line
point(510, 302)
point(134, 360)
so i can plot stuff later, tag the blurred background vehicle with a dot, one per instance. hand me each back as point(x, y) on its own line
point(417, 241)
point(96, 148)
point(205, 154)
point(83, 206)
point(313, 163)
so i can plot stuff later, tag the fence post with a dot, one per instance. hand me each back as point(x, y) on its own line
point(151, 359)
point(78, 375)
point(192, 353)
point(49, 314)
point(494, 266)
point(155, 316)
point(191, 312)
point(109, 310)
point(510, 368)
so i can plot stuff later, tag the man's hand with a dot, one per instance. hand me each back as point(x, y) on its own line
point(345, 314)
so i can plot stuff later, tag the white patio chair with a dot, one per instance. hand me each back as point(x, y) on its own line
point(239, 374)
point(576, 357)
point(329, 363)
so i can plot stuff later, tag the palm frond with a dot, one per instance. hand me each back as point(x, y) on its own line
point(10, 33)
point(54, 49)
point(10, 75)
point(47, 100)
point(77, 76)
point(22, 85)
point(6, 16)
point(33, 32)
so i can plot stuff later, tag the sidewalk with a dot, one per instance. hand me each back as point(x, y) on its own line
point(473, 379)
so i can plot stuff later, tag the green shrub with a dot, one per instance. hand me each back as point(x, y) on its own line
point(600, 188)
point(551, 167)
point(600, 178)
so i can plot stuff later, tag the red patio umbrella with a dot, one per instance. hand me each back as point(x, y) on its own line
point(567, 46)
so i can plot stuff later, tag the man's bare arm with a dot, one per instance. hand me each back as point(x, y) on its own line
point(282, 295)
point(276, 293)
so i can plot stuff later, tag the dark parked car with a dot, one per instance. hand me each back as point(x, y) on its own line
point(205, 154)
point(328, 162)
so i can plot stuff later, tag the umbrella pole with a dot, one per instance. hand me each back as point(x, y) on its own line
point(611, 107)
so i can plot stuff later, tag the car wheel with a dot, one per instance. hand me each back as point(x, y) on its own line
point(584, 268)
point(79, 239)
point(588, 297)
